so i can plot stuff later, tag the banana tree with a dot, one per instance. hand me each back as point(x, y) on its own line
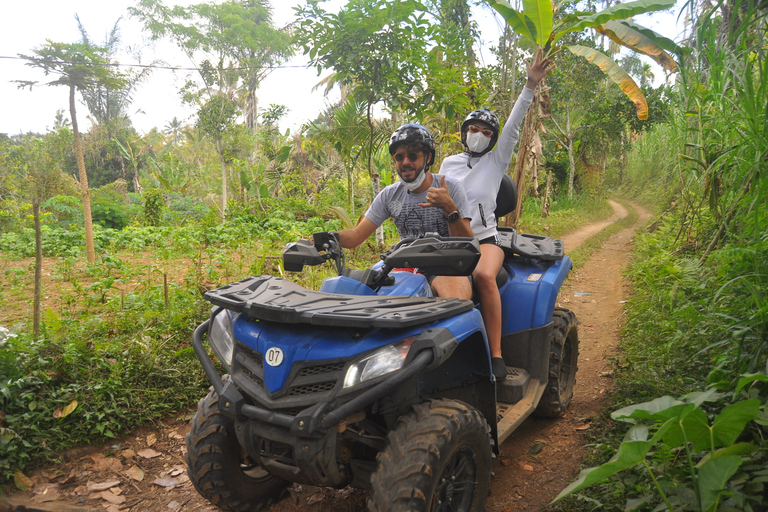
point(536, 24)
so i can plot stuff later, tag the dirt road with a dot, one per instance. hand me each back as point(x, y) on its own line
point(145, 472)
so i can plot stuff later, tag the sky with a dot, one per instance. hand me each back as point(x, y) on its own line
point(27, 25)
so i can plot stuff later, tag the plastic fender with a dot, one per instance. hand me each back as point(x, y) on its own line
point(408, 284)
point(282, 344)
point(345, 285)
point(529, 297)
point(466, 325)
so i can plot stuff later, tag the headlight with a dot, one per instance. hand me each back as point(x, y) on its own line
point(220, 337)
point(385, 360)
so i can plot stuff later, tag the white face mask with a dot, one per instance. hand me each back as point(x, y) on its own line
point(477, 142)
point(417, 181)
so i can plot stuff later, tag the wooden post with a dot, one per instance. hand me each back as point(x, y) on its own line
point(165, 289)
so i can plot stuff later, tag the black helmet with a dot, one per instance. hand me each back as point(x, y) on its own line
point(413, 134)
point(486, 116)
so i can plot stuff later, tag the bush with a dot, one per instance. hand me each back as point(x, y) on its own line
point(109, 208)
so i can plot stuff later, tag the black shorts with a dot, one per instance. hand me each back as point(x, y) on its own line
point(495, 240)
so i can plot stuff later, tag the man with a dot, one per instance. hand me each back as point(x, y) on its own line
point(419, 203)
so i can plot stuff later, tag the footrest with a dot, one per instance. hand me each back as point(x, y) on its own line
point(512, 389)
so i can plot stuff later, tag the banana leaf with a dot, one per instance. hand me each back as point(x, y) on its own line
point(628, 36)
point(617, 76)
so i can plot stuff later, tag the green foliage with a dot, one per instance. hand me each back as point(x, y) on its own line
point(154, 204)
point(537, 25)
point(65, 211)
point(109, 208)
point(693, 458)
point(183, 209)
point(115, 382)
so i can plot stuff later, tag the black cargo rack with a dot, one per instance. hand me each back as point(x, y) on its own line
point(279, 300)
point(531, 246)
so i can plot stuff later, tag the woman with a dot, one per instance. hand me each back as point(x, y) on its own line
point(480, 168)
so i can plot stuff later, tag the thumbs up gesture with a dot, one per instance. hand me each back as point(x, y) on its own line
point(440, 197)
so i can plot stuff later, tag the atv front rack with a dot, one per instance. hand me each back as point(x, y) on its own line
point(536, 247)
point(278, 300)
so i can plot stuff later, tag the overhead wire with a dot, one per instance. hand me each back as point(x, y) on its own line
point(157, 66)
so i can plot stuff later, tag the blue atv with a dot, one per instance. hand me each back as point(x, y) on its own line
point(372, 381)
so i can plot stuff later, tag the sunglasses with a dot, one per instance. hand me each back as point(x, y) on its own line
point(411, 156)
point(475, 129)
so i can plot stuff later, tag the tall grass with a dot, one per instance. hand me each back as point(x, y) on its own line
point(698, 315)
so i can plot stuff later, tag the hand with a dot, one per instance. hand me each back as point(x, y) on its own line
point(321, 240)
point(440, 198)
point(538, 70)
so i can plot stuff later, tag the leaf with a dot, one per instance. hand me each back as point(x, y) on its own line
point(541, 13)
point(103, 486)
point(112, 498)
point(617, 76)
point(165, 482)
point(749, 379)
point(518, 21)
point(666, 44)
point(693, 427)
point(632, 451)
point(712, 478)
point(136, 473)
point(342, 214)
point(646, 410)
point(730, 423)
point(69, 409)
point(628, 36)
point(621, 11)
point(22, 481)
point(149, 453)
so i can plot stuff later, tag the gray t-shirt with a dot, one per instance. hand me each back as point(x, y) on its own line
point(412, 220)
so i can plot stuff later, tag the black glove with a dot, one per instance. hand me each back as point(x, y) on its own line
point(322, 239)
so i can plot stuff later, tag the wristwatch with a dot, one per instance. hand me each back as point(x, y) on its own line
point(453, 216)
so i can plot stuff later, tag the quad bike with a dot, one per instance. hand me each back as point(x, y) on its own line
point(372, 381)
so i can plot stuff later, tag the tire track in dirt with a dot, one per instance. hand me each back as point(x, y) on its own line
point(544, 455)
point(523, 480)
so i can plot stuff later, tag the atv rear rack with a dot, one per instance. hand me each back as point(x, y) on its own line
point(277, 300)
point(531, 246)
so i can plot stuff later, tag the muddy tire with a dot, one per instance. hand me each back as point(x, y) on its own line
point(437, 458)
point(563, 362)
point(219, 469)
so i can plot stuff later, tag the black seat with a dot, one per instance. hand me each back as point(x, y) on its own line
point(506, 199)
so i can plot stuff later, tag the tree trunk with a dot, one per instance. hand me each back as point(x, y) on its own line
point(90, 252)
point(38, 270)
point(545, 204)
point(220, 150)
point(571, 168)
point(375, 178)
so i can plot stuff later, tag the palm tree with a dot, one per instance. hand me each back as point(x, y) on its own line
point(81, 67)
point(174, 128)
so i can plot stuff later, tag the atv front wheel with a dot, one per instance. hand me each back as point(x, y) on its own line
point(437, 458)
point(563, 362)
point(220, 469)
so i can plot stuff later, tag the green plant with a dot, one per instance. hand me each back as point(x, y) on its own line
point(154, 203)
point(692, 460)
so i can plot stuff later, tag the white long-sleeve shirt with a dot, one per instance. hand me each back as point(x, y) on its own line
point(481, 177)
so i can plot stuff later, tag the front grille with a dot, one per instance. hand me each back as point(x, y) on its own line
point(321, 369)
point(308, 381)
point(312, 388)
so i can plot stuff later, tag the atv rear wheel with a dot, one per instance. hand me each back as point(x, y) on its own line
point(220, 469)
point(563, 362)
point(437, 458)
